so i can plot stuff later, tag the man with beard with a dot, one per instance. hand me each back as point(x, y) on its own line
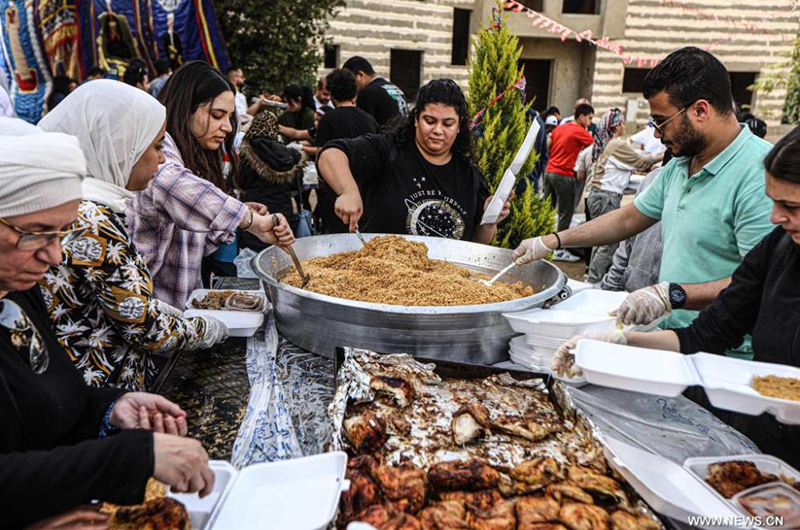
point(710, 199)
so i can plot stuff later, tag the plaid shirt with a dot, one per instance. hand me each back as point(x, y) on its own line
point(176, 221)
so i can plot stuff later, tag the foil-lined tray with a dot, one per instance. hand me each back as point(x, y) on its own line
point(441, 392)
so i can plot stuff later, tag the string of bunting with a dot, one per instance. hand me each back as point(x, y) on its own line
point(603, 42)
point(519, 85)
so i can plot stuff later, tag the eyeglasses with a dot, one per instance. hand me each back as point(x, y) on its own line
point(37, 240)
point(660, 126)
point(23, 333)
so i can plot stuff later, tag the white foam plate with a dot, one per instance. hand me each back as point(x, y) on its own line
point(240, 323)
point(558, 323)
point(600, 303)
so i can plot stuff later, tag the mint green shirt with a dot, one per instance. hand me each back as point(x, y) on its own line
point(711, 220)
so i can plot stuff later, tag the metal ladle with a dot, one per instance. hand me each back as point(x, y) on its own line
point(305, 277)
point(489, 283)
point(363, 241)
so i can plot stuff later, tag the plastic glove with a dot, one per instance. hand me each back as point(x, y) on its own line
point(644, 306)
point(531, 250)
point(564, 362)
point(216, 332)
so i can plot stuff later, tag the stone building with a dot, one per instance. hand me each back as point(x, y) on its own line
point(413, 41)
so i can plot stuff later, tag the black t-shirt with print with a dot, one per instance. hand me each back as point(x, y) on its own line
point(405, 194)
point(383, 100)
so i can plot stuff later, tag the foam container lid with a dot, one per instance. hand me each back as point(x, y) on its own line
point(669, 488)
point(301, 494)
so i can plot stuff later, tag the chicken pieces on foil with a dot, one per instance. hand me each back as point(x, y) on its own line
point(471, 474)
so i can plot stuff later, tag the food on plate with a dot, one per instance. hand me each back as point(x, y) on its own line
point(471, 474)
point(158, 514)
point(730, 478)
point(777, 387)
point(532, 510)
point(500, 517)
point(469, 422)
point(366, 432)
point(230, 300)
point(778, 501)
point(394, 270)
point(579, 516)
point(401, 390)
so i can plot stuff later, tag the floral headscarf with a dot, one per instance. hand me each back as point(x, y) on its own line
point(611, 120)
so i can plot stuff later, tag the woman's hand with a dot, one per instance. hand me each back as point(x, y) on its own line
point(80, 518)
point(349, 208)
point(506, 206)
point(272, 229)
point(182, 463)
point(257, 207)
point(140, 410)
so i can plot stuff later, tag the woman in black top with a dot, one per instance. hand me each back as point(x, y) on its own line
point(63, 443)
point(418, 180)
point(269, 173)
point(300, 108)
point(763, 300)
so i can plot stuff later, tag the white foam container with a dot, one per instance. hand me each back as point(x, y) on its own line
point(600, 303)
point(727, 381)
point(301, 494)
point(558, 323)
point(240, 323)
point(669, 488)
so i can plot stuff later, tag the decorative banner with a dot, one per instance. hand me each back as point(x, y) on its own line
point(519, 85)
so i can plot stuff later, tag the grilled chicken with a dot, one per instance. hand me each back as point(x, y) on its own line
point(444, 515)
point(366, 432)
point(568, 492)
point(470, 422)
point(539, 472)
point(483, 500)
point(532, 510)
point(621, 520)
point(387, 518)
point(158, 514)
point(466, 475)
point(598, 484)
point(543, 526)
point(401, 390)
point(529, 428)
point(579, 516)
point(363, 491)
point(405, 486)
point(729, 478)
point(500, 517)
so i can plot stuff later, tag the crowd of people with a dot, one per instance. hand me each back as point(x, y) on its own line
point(152, 185)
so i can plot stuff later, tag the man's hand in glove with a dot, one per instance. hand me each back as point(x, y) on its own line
point(644, 306)
point(564, 362)
point(531, 250)
point(216, 332)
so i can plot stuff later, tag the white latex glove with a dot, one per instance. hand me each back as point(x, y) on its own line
point(531, 250)
point(172, 311)
point(644, 306)
point(564, 362)
point(216, 332)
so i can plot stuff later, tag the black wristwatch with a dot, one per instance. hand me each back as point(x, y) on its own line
point(677, 296)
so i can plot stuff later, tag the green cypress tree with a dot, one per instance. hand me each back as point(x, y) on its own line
point(785, 74)
point(494, 69)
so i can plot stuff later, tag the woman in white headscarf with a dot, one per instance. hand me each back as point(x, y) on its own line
point(55, 452)
point(100, 297)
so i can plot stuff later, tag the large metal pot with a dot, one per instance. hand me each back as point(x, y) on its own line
point(475, 334)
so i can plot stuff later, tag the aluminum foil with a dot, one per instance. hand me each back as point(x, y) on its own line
point(430, 415)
